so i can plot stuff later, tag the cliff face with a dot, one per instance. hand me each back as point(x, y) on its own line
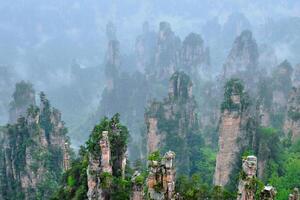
point(173, 123)
point(292, 121)
point(34, 151)
point(282, 85)
point(195, 59)
point(234, 131)
point(167, 52)
point(23, 97)
point(161, 178)
point(242, 61)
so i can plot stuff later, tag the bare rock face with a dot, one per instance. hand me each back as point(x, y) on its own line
point(295, 195)
point(107, 159)
point(97, 167)
point(167, 53)
point(242, 61)
point(268, 193)
point(292, 122)
point(174, 118)
point(161, 178)
point(195, 58)
point(234, 134)
point(33, 149)
point(23, 97)
point(247, 186)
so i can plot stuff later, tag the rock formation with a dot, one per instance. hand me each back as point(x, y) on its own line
point(23, 97)
point(137, 186)
point(161, 178)
point(247, 184)
point(234, 131)
point(268, 193)
point(35, 150)
point(295, 195)
point(195, 58)
point(242, 61)
point(296, 76)
point(292, 122)
point(112, 60)
point(107, 159)
point(145, 46)
point(167, 53)
point(282, 85)
point(174, 120)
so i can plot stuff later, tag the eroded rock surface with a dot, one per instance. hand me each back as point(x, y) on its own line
point(161, 178)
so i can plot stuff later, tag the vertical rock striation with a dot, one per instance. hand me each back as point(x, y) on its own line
point(173, 122)
point(195, 59)
point(242, 61)
point(234, 131)
point(295, 195)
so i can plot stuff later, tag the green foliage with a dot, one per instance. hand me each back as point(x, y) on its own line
point(194, 188)
point(74, 183)
point(155, 156)
point(234, 87)
point(288, 176)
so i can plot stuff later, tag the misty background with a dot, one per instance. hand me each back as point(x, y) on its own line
point(60, 46)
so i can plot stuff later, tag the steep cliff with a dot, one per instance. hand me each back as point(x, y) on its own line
point(292, 123)
point(195, 59)
point(173, 123)
point(167, 52)
point(34, 153)
point(236, 131)
point(23, 97)
point(242, 61)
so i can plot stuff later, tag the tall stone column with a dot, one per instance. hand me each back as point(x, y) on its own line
point(268, 193)
point(247, 184)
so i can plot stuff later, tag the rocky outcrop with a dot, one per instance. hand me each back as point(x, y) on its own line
point(112, 60)
point(195, 58)
point(23, 97)
point(247, 184)
point(97, 167)
point(295, 195)
point(174, 119)
point(242, 61)
point(234, 131)
point(161, 178)
point(167, 52)
point(292, 122)
point(282, 85)
point(34, 150)
point(137, 186)
point(296, 76)
point(107, 159)
point(268, 193)
point(145, 46)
